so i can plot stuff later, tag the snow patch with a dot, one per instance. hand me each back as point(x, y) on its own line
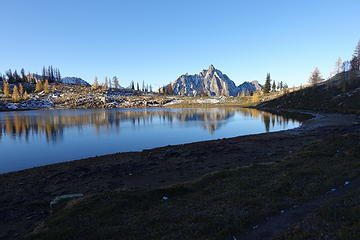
point(210, 100)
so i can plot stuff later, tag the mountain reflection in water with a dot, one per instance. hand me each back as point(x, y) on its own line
point(51, 123)
point(36, 138)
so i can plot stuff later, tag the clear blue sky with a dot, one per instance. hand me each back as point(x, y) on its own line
point(156, 41)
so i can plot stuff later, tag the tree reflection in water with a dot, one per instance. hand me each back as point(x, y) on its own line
point(52, 123)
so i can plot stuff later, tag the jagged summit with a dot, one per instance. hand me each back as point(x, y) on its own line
point(211, 82)
point(211, 68)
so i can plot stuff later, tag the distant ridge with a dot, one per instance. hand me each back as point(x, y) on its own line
point(64, 80)
point(74, 81)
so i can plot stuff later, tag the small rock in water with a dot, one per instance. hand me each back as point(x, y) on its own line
point(333, 190)
point(346, 183)
point(165, 198)
point(282, 211)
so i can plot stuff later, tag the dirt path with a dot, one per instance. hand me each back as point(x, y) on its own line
point(281, 222)
point(25, 195)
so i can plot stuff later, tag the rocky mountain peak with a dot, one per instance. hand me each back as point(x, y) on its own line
point(210, 82)
point(211, 68)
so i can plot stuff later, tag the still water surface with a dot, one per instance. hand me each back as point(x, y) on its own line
point(36, 138)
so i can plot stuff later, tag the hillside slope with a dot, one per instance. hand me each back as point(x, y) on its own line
point(340, 93)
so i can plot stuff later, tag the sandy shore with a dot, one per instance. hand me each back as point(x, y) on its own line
point(25, 195)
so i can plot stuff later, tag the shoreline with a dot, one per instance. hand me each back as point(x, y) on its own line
point(26, 194)
point(127, 107)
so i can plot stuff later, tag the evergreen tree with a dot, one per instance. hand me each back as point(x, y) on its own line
point(116, 82)
point(357, 52)
point(44, 75)
point(267, 85)
point(15, 95)
point(51, 76)
point(16, 77)
point(9, 76)
point(345, 66)
point(274, 86)
point(354, 63)
point(23, 75)
point(137, 86)
point(57, 75)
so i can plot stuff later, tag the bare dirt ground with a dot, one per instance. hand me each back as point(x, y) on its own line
point(25, 195)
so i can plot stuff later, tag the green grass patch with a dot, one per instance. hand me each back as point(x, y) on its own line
point(214, 207)
point(337, 219)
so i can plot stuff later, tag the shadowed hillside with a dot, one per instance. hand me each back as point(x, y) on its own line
point(340, 93)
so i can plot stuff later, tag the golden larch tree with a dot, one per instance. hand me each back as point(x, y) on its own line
point(26, 95)
point(15, 95)
point(6, 88)
point(21, 90)
point(46, 86)
point(38, 86)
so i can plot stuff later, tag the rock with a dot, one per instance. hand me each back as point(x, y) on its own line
point(57, 199)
